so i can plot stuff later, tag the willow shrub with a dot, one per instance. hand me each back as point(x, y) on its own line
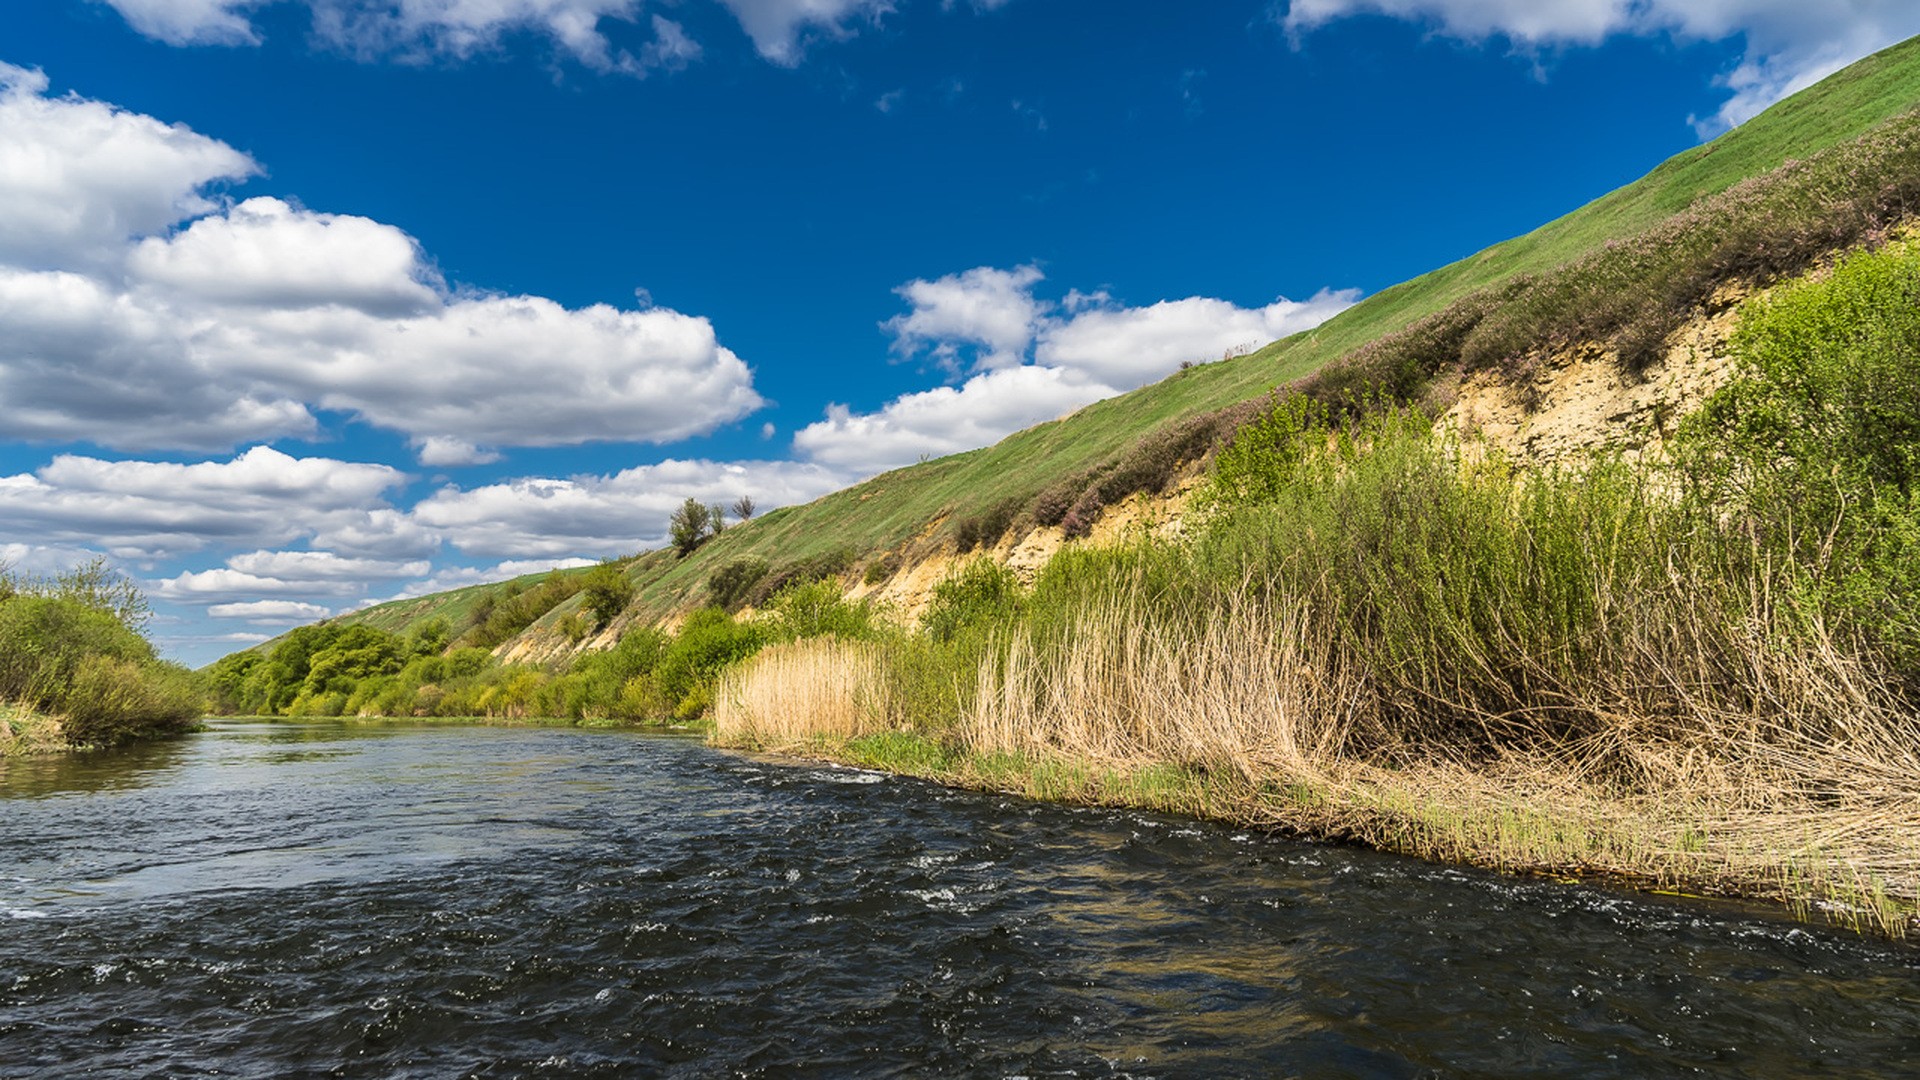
point(88, 666)
point(1813, 451)
point(1483, 609)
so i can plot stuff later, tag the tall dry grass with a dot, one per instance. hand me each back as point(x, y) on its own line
point(1785, 773)
point(800, 692)
point(1248, 690)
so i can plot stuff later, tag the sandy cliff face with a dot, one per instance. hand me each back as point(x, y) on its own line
point(1578, 400)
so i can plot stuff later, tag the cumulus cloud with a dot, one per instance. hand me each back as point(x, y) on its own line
point(227, 585)
point(265, 253)
point(946, 419)
point(984, 316)
point(270, 612)
point(1789, 45)
point(597, 516)
point(239, 326)
point(324, 566)
point(1131, 346)
point(1034, 360)
point(143, 509)
point(78, 177)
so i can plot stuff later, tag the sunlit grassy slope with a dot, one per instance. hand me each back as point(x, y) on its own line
point(898, 509)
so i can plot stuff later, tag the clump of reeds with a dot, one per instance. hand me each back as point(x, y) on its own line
point(800, 692)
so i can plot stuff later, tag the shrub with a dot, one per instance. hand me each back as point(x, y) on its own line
point(707, 642)
point(112, 701)
point(813, 568)
point(1813, 450)
point(607, 592)
point(521, 608)
point(881, 569)
point(815, 609)
point(732, 582)
point(979, 595)
point(985, 529)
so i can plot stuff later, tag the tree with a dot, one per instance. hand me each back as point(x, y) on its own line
point(608, 592)
point(688, 527)
point(743, 507)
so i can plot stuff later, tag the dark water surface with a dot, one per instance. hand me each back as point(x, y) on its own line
point(280, 900)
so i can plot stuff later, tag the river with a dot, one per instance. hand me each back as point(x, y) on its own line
point(266, 900)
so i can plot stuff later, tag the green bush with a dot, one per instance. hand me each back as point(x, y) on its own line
point(607, 592)
point(815, 609)
point(819, 567)
point(707, 642)
point(732, 583)
point(980, 596)
point(111, 700)
point(1813, 450)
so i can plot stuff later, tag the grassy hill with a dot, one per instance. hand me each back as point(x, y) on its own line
point(1714, 211)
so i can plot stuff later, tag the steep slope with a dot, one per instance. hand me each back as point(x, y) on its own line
point(1146, 438)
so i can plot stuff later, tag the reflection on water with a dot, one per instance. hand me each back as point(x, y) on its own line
point(264, 900)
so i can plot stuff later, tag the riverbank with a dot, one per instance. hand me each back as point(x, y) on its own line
point(24, 731)
point(1518, 820)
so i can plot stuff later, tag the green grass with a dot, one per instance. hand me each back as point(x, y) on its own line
point(905, 509)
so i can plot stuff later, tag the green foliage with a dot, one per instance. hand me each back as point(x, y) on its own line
point(690, 526)
point(827, 564)
point(66, 656)
point(732, 583)
point(519, 608)
point(607, 592)
point(707, 642)
point(112, 700)
point(1265, 455)
point(881, 569)
point(812, 609)
point(1814, 449)
point(981, 595)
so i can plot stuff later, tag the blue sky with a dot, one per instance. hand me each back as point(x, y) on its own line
point(310, 303)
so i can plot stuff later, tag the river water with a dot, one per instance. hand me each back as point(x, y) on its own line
point(291, 900)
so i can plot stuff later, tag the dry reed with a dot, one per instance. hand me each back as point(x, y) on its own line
point(802, 692)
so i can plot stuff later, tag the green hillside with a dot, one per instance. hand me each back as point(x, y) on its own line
point(1860, 157)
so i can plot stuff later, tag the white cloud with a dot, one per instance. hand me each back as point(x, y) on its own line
point(1790, 44)
point(1033, 364)
point(778, 27)
point(324, 566)
point(988, 312)
point(1130, 347)
point(946, 419)
point(226, 585)
point(78, 177)
point(239, 326)
point(265, 253)
point(270, 612)
point(599, 516)
point(417, 28)
point(146, 509)
point(447, 450)
point(39, 560)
